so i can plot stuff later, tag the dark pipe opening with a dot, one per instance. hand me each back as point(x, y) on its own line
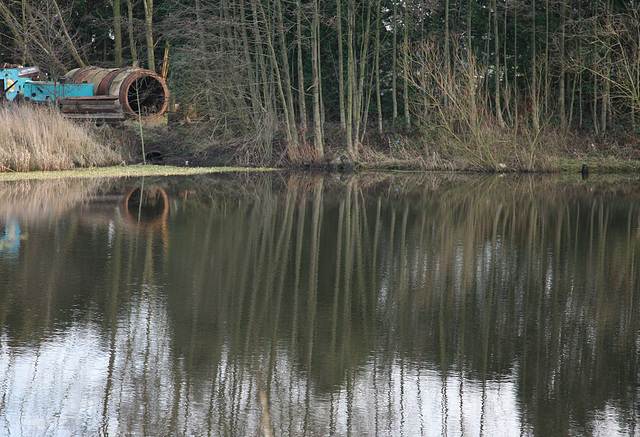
point(146, 96)
point(154, 156)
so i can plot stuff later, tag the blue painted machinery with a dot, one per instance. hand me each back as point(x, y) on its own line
point(22, 83)
point(90, 93)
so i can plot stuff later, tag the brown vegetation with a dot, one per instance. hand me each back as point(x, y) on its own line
point(39, 138)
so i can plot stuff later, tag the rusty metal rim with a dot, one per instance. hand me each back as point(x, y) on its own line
point(129, 80)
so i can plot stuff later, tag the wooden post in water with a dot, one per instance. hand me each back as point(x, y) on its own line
point(585, 172)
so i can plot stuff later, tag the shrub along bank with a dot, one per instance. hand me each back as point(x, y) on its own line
point(453, 139)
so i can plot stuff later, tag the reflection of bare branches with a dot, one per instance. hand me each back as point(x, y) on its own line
point(333, 306)
point(31, 199)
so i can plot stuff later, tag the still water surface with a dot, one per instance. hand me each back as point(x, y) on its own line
point(278, 304)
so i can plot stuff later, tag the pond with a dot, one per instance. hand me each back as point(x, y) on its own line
point(284, 304)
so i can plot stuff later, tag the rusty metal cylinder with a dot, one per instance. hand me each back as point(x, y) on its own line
point(142, 93)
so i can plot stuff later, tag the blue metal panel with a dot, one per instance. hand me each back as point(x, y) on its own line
point(12, 83)
point(21, 81)
point(48, 91)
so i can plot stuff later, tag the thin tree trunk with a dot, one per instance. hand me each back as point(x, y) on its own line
point(254, 90)
point(341, 90)
point(351, 78)
point(473, 116)
point(534, 82)
point(546, 57)
point(562, 80)
point(70, 43)
point(580, 77)
point(407, 114)
point(148, 20)
point(515, 66)
point(302, 104)
point(25, 38)
point(394, 57)
point(507, 94)
point(291, 117)
point(595, 113)
point(269, 115)
point(315, 65)
point(447, 39)
point(573, 99)
point(280, 84)
point(377, 67)
point(117, 32)
point(606, 97)
point(18, 30)
point(496, 49)
point(360, 96)
point(596, 58)
point(132, 40)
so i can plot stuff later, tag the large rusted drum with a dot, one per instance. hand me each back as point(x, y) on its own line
point(142, 93)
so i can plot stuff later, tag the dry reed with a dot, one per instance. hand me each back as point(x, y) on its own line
point(34, 137)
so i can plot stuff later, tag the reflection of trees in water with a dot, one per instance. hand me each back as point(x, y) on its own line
point(377, 308)
point(501, 280)
point(33, 199)
point(474, 288)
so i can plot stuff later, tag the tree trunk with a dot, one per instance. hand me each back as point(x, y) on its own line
point(132, 40)
point(405, 72)
point(117, 32)
point(269, 117)
point(254, 90)
point(360, 113)
point(496, 72)
point(351, 79)
point(25, 39)
point(148, 19)
point(291, 116)
point(546, 57)
point(18, 30)
point(606, 96)
point(534, 71)
point(515, 66)
point(315, 65)
point(447, 38)
point(377, 67)
point(302, 104)
point(561, 80)
point(394, 57)
point(70, 43)
point(341, 90)
point(473, 116)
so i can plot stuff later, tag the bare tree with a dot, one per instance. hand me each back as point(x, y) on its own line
point(148, 30)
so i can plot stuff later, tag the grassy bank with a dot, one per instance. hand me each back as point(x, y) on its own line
point(37, 138)
point(34, 137)
point(121, 171)
point(434, 144)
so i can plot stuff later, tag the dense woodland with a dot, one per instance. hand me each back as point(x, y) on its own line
point(502, 82)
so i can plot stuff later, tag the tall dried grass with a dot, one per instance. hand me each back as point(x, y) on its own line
point(34, 137)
